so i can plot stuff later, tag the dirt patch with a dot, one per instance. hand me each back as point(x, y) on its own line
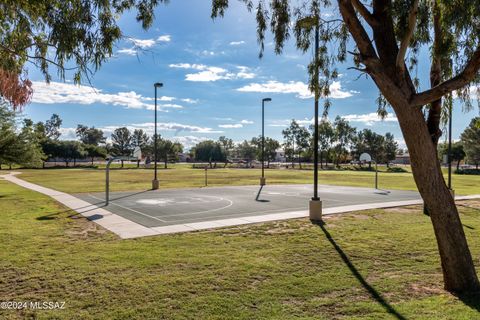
point(419, 289)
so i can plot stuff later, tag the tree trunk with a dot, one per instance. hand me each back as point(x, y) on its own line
point(321, 159)
point(92, 161)
point(458, 165)
point(457, 265)
point(121, 161)
point(165, 164)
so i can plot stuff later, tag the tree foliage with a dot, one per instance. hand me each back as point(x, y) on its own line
point(67, 35)
point(471, 141)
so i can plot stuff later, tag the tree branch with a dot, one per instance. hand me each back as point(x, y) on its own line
point(412, 19)
point(367, 51)
point(365, 13)
point(459, 81)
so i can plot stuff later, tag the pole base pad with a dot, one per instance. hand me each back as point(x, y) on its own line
point(263, 181)
point(155, 184)
point(315, 210)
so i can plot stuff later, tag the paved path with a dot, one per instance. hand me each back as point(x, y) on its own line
point(147, 213)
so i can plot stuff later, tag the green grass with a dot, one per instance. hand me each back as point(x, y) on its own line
point(377, 264)
point(180, 176)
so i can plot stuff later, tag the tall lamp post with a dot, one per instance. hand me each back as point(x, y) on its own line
point(262, 179)
point(449, 157)
point(155, 183)
point(315, 205)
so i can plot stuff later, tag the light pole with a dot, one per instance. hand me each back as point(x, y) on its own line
point(449, 157)
point(155, 183)
point(315, 205)
point(262, 179)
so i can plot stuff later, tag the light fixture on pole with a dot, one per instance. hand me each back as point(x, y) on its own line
point(315, 205)
point(262, 179)
point(155, 183)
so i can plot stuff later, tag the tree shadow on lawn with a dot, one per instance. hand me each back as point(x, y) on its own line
point(371, 290)
point(99, 204)
point(472, 300)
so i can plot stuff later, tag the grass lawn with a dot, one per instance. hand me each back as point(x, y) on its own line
point(180, 176)
point(377, 264)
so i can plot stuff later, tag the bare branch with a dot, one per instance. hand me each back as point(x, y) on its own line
point(459, 81)
point(412, 19)
point(365, 13)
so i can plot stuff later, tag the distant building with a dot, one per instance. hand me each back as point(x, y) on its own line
point(402, 159)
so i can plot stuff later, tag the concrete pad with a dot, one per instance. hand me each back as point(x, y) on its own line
point(148, 213)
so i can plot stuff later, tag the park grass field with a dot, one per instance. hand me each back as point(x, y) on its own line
point(376, 264)
point(76, 180)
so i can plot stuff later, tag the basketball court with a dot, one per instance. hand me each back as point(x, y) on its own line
point(160, 208)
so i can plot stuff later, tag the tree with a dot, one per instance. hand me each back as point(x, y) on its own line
point(168, 150)
point(344, 135)
point(122, 142)
point(270, 148)
point(81, 33)
point(247, 151)
point(471, 141)
point(326, 136)
point(52, 127)
point(378, 34)
point(18, 147)
point(140, 139)
point(390, 147)
point(228, 146)
point(90, 136)
point(457, 154)
point(297, 141)
point(209, 151)
point(372, 143)
point(66, 150)
point(93, 151)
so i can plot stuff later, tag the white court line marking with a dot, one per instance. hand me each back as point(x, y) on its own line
point(174, 215)
point(143, 214)
point(198, 212)
point(242, 214)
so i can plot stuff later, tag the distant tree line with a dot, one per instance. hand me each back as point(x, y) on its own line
point(29, 144)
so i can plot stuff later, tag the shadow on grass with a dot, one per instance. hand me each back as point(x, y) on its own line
point(371, 290)
point(472, 300)
point(98, 204)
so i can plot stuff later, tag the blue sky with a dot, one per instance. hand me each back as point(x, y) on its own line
point(213, 82)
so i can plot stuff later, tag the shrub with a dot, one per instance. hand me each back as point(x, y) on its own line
point(468, 171)
point(396, 169)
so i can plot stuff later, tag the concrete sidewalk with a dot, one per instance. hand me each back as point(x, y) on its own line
point(125, 228)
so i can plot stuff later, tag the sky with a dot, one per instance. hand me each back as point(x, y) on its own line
point(213, 83)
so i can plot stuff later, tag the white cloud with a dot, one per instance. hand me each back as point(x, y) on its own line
point(212, 73)
point(299, 88)
point(58, 92)
point(143, 43)
point(173, 126)
point(231, 126)
point(68, 133)
point(188, 100)
point(244, 73)
point(237, 43)
point(369, 118)
point(286, 122)
point(128, 51)
point(188, 141)
point(246, 122)
point(164, 38)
